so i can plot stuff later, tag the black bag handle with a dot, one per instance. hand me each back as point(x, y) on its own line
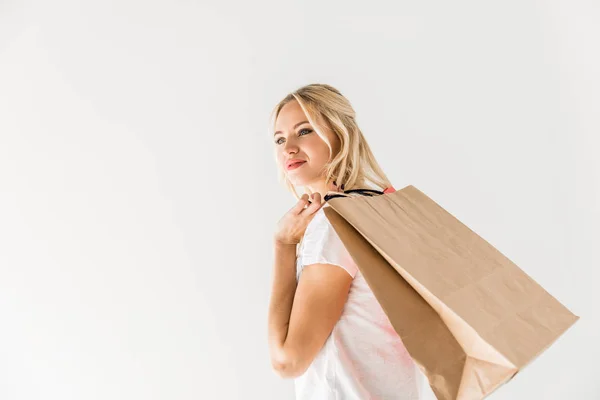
point(363, 192)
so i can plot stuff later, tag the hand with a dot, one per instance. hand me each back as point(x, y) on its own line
point(292, 225)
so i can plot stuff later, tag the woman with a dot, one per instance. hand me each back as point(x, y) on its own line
point(326, 328)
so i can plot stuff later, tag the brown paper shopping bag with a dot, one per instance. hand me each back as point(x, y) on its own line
point(469, 317)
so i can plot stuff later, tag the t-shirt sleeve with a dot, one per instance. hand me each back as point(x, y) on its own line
point(322, 245)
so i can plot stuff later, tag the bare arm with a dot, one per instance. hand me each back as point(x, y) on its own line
point(282, 299)
point(302, 316)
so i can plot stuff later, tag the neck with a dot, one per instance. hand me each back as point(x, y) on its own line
point(322, 188)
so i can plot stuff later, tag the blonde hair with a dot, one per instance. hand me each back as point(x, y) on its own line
point(354, 165)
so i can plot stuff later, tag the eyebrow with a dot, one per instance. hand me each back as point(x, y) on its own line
point(295, 126)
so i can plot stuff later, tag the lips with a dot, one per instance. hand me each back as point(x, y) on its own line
point(292, 164)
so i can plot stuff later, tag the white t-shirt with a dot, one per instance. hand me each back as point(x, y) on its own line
point(364, 357)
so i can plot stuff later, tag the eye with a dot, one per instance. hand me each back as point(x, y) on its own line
point(299, 134)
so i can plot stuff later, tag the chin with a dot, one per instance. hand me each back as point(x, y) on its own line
point(299, 180)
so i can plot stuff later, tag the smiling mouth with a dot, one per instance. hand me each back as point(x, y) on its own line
point(296, 165)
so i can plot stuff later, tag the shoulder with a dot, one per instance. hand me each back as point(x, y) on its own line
point(319, 221)
point(319, 227)
point(321, 244)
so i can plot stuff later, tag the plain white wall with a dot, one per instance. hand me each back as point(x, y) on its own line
point(138, 191)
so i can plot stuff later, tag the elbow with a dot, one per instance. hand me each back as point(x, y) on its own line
point(284, 371)
point(288, 367)
point(288, 370)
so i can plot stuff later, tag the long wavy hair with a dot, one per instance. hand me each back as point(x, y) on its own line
point(354, 165)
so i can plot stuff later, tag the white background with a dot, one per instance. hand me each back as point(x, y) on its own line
point(138, 190)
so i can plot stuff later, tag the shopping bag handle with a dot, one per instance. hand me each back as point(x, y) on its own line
point(363, 192)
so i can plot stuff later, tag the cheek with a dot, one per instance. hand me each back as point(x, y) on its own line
point(279, 157)
point(317, 150)
point(321, 154)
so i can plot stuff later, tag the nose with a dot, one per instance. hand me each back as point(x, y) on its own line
point(289, 147)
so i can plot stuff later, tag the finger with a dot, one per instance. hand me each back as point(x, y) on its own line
point(301, 204)
point(316, 204)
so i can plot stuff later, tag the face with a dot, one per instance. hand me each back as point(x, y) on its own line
point(296, 139)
